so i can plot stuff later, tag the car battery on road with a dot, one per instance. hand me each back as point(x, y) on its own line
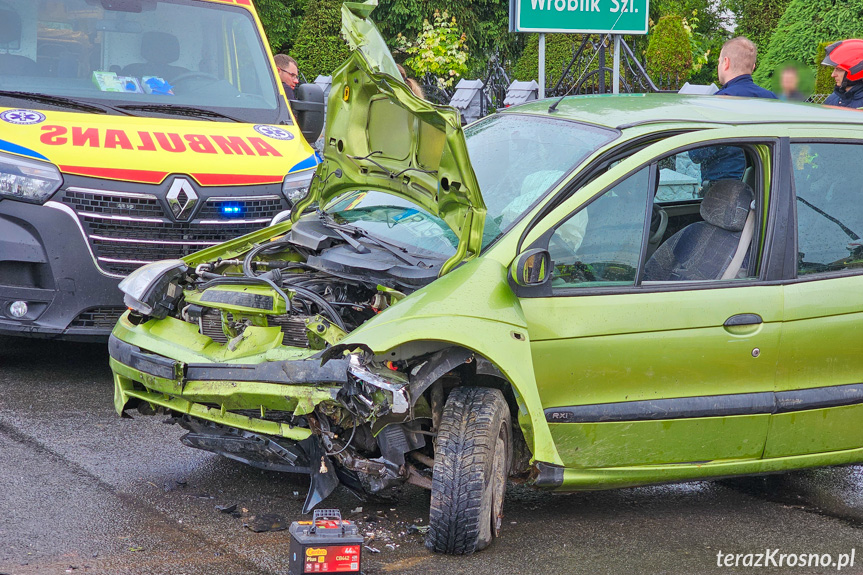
point(326, 544)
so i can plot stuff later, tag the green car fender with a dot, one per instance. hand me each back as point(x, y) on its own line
point(472, 307)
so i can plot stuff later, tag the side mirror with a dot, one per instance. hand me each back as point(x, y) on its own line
point(531, 268)
point(309, 110)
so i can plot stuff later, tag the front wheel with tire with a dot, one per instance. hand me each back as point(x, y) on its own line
point(472, 462)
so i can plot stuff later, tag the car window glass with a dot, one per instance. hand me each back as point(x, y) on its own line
point(601, 243)
point(829, 207)
point(517, 158)
point(136, 53)
point(687, 175)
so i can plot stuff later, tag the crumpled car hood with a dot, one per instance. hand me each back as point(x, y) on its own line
point(380, 136)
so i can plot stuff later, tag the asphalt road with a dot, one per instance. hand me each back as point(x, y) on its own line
point(83, 491)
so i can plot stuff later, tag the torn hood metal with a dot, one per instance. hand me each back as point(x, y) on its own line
point(380, 136)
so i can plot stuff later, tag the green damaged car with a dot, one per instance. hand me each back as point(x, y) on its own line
point(589, 293)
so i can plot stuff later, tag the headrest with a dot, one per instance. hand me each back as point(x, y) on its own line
point(726, 204)
point(160, 47)
point(10, 29)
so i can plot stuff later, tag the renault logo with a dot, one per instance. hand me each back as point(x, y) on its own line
point(182, 199)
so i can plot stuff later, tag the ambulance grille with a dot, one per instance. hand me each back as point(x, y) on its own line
point(104, 317)
point(127, 230)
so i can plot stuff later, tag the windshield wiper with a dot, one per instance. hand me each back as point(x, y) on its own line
point(848, 231)
point(176, 110)
point(65, 102)
point(344, 229)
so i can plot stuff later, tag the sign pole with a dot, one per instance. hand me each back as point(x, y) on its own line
point(541, 66)
point(616, 71)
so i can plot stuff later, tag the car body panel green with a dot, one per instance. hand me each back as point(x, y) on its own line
point(655, 110)
point(815, 431)
point(173, 395)
point(618, 477)
point(161, 337)
point(820, 347)
point(613, 444)
point(380, 136)
point(475, 308)
point(617, 347)
point(683, 351)
point(620, 346)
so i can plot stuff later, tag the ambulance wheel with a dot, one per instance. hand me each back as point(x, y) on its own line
point(473, 456)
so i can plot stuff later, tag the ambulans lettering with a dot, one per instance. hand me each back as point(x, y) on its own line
point(233, 145)
point(170, 142)
point(200, 144)
point(156, 141)
point(117, 139)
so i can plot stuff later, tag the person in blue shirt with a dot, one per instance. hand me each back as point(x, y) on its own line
point(736, 64)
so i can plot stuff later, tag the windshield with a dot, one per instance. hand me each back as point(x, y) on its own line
point(397, 220)
point(518, 157)
point(137, 55)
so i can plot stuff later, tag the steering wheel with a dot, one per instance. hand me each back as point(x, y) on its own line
point(189, 75)
point(658, 225)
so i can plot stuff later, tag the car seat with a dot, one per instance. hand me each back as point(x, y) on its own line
point(160, 50)
point(10, 39)
point(704, 250)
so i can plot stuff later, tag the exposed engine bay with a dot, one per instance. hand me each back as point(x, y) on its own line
point(316, 284)
point(371, 421)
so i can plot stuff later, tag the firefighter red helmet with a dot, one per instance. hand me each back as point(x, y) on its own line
point(846, 55)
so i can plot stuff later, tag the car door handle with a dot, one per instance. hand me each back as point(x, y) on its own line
point(743, 319)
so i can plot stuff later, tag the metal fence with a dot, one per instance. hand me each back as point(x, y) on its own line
point(817, 98)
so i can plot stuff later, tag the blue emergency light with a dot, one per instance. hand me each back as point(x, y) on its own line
point(231, 210)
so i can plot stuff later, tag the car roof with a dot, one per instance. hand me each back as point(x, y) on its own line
point(630, 110)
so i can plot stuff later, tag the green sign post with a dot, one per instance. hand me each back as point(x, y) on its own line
point(613, 17)
point(579, 16)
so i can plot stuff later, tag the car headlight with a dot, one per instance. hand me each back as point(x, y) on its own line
point(296, 186)
point(393, 382)
point(28, 180)
point(151, 289)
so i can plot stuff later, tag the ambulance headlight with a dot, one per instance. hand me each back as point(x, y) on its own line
point(28, 180)
point(296, 186)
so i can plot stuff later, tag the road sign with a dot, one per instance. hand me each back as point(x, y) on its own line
point(579, 16)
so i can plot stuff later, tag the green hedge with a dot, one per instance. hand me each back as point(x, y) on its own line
point(669, 53)
point(320, 48)
point(281, 20)
point(824, 83)
point(757, 19)
point(803, 27)
point(559, 49)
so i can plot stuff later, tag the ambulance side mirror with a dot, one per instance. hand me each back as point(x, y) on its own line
point(309, 110)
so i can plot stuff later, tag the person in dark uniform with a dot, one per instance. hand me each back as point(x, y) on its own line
point(736, 64)
point(289, 74)
point(846, 57)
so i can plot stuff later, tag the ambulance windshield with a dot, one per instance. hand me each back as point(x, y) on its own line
point(141, 56)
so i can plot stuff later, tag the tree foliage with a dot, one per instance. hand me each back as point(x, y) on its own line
point(484, 23)
point(320, 48)
point(824, 83)
point(559, 49)
point(803, 27)
point(439, 50)
point(281, 20)
point(757, 19)
point(669, 52)
point(707, 21)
